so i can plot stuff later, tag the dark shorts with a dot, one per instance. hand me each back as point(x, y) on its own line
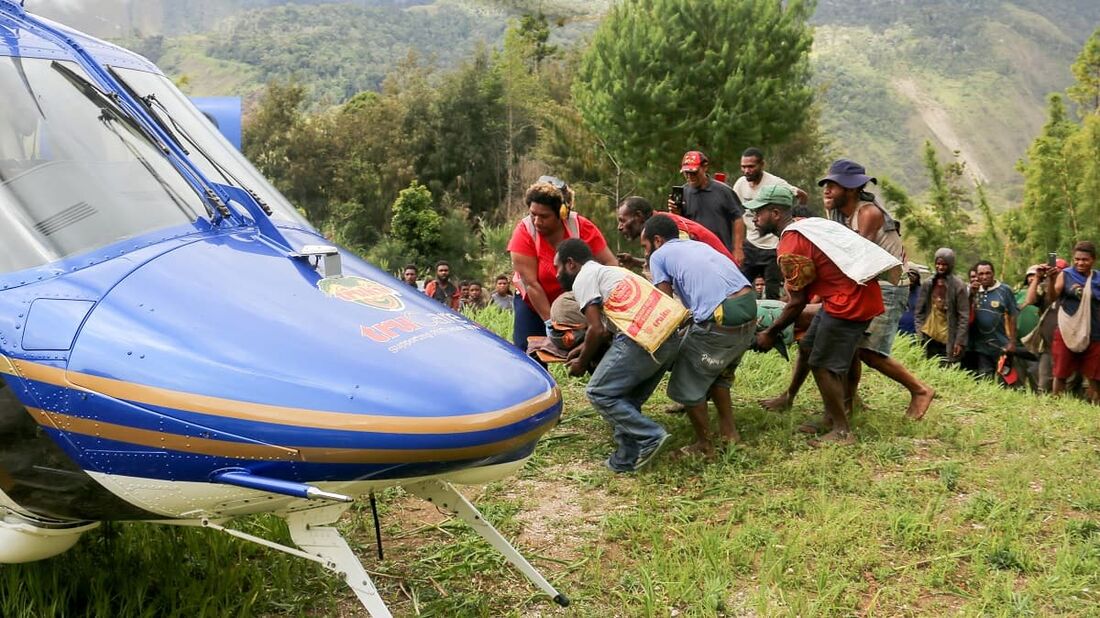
point(1067, 362)
point(832, 342)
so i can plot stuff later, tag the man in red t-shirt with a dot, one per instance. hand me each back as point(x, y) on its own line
point(634, 211)
point(832, 341)
point(442, 289)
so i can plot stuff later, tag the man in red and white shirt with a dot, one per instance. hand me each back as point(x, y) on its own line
point(634, 211)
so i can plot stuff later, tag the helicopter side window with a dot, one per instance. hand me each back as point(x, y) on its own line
point(21, 145)
point(75, 175)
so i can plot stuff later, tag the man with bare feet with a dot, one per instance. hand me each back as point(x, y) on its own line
point(823, 258)
point(850, 205)
point(801, 371)
point(723, 308)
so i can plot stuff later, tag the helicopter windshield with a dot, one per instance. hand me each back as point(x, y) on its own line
point(75, 174)
point(215, 156)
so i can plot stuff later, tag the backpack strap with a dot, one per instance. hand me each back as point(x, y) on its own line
point(572, 225)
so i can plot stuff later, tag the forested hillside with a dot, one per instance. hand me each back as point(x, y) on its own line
point(361, 111)
point(970, 75)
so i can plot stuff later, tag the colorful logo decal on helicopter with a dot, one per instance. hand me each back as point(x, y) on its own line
point(362, 291)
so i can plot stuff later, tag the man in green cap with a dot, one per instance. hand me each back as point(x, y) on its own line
point(822, 258)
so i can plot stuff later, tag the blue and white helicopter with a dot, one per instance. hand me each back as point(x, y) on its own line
point(178, 345)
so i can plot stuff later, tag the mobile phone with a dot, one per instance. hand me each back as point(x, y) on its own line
point(1052, 259)
point(678, 196)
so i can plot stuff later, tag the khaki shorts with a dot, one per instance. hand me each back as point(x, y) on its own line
point(884, 327)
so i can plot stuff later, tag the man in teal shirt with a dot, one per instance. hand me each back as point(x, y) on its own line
point(993, 332)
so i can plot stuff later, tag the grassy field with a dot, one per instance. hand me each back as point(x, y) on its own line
point(988, 506)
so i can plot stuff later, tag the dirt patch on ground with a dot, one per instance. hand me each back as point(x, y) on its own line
point(560, 518)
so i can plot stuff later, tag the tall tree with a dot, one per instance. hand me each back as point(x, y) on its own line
point(524, 98)
point(1086, 70)
point(287, 146)
point(535, 32)
point(467, 151)
point(1083, 155)
point(1049, 210)
point(665, 76)
point(415, 222)
point(943, 221)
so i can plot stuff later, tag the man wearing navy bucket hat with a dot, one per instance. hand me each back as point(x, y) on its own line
point(847, 202)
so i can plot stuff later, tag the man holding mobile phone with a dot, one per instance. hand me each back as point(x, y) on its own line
point(712, 204)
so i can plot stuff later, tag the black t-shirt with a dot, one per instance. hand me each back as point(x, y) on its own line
point(715, 207)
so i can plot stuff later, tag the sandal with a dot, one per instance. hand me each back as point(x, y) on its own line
point(691, 451)
point(834, 438)
point(815, 424)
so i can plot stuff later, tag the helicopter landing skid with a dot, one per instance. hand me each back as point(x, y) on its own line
point(446, 497)
point(324, 545)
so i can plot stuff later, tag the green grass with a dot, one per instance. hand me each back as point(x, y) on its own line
point(989, 506)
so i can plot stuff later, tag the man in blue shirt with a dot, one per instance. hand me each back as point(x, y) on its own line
point(993, 332)
point(723, 309)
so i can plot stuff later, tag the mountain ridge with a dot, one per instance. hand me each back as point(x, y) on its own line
point(969, 75)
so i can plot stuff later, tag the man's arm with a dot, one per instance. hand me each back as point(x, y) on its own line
point(606, 257)
point(870, 222)
point(765, 339)
point(800, 195)
point(1054, 288)
point(594, 338)
point(527, 266)
point(1010, 330)
point(1011, 313)
point(920, 312)
point(739, 240)
point(798, 273)
point(1032, 295)
point(627, 260)
point(962, 315)
point(665, 287)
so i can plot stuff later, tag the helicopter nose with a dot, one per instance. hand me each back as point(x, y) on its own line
point(233, 352)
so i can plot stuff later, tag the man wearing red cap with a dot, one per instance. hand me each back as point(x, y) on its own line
point(712, 204)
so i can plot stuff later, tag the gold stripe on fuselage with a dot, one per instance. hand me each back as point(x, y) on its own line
point(243, 450)
point(281, 415)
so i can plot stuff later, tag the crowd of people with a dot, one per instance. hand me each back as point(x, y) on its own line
point(1044, 335)
point(729, 269)
point(463, 294)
